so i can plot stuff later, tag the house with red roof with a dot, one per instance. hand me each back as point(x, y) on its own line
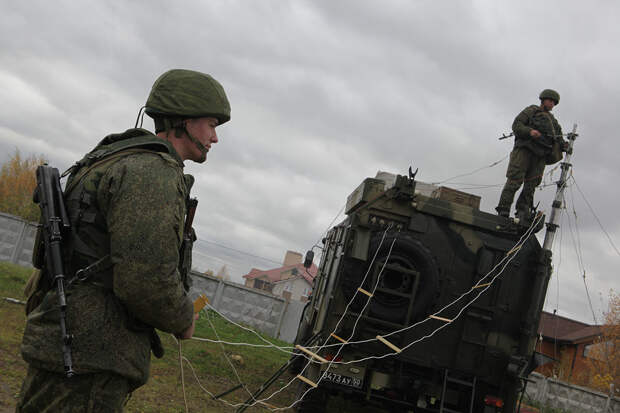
point(566, 345)
point(291, 281)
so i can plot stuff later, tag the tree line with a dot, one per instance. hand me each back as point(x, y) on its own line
point(17, 184)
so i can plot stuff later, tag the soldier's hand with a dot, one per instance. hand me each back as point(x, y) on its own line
point(187, 334)
point(535, 134)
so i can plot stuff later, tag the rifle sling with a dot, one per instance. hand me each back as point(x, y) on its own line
point(97, 267)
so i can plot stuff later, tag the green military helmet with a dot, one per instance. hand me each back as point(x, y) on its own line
point(181, 93)
point(550, 94)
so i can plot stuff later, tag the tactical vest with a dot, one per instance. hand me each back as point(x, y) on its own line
point(86, 251)
point(549, 144)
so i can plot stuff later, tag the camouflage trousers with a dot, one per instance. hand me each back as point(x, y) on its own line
point(524, 168)
point(47, 392)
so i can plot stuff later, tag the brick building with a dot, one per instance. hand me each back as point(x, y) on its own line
point(566, 344)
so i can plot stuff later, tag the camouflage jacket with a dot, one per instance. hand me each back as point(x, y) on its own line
point(130, 207)
point(533, 117)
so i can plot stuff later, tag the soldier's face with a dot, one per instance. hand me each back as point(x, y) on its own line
point(202, 129)
point(548, 104)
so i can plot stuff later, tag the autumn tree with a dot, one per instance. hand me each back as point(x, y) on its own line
point(17, 183)
point(603, 356)
point(222, 274)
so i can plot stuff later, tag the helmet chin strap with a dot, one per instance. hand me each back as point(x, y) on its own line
point(182, 125)
point(203, 149)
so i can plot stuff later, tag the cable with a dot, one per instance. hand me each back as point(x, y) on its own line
point(519, 243)
point(182, 376)
point(517, 246)
point(535, 222)
point(270, 344)
point(316, 244)
point(308, 364)
point(596, 217)
point(239, 251)
point(556, 271)
point(227, 359)
point(472, 172)
point(523, 238)
point(345, 312)
point(582, 268)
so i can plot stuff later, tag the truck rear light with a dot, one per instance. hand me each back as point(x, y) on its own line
point(493, 401)
point(330, 357)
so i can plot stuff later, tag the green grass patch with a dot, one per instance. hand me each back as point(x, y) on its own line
point(13, 279)
point(164, 391)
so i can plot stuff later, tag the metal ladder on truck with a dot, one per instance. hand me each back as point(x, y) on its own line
point(463, 383)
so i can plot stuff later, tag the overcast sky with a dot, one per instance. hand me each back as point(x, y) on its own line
point(324, 94)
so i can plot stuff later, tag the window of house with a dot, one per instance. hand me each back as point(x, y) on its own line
point(263, 285)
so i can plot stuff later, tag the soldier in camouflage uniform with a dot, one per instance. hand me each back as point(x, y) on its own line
point(536, 132)
point(126, 200)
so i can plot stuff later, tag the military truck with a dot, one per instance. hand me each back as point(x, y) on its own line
point(422, 303)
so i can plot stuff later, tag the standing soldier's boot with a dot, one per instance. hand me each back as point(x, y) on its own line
point(524, 216)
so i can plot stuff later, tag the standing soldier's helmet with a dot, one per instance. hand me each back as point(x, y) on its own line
point(181, 94)
point(550, 94)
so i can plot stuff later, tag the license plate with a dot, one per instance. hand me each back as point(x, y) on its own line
point(343, 380)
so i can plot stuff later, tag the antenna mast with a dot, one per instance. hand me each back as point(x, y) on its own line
point(552, 225)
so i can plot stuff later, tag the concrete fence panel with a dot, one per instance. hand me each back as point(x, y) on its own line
point(271, 315)
point(267, 313)
point(572, 398)
point(16, 239)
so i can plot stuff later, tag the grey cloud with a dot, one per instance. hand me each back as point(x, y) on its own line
point(324, 94)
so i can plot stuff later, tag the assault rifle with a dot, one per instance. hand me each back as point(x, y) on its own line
point(55, 223)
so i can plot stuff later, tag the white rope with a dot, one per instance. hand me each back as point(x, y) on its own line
point(310, 360)
point(228, 359)
point(507, 258)
point(182, 376)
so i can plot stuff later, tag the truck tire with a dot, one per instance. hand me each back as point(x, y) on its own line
point(409, 253)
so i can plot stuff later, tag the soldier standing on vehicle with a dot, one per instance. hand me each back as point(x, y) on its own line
point(127, 272)
point(538, 142)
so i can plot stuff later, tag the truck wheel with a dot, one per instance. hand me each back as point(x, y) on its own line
point(408, 253)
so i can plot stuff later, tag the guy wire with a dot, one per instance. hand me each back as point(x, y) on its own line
point(523, 238)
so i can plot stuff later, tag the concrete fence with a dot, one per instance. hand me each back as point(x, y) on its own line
point(572, 398)
point(16, 239)
point(271, 315)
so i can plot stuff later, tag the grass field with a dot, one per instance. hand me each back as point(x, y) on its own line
point(163, 393)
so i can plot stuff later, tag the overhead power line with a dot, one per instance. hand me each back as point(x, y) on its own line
point(596, 217)
point(240, 252)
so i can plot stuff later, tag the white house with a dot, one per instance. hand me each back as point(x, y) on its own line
point(292, 281)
